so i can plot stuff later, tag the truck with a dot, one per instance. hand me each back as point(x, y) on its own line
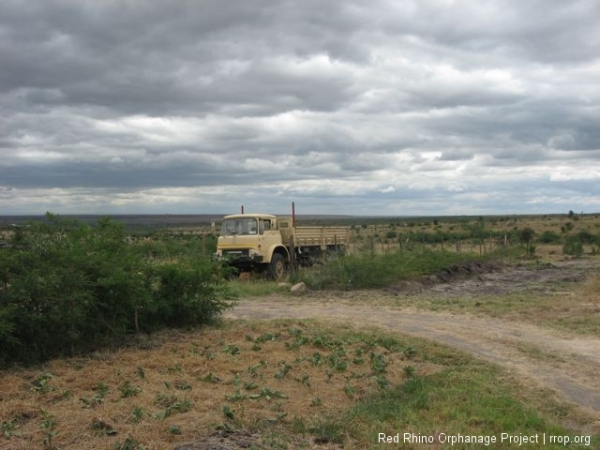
point(271, 244)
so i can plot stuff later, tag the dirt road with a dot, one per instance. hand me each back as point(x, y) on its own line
point(542, 357)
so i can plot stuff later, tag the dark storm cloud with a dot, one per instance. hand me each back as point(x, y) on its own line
point(184, 105)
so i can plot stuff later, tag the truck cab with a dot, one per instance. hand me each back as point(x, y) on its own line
point(255, 241)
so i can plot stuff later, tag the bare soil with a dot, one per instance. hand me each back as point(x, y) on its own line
point(539, 357)
point(491, 278)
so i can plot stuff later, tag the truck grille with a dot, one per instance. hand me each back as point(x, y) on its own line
point(236, 253)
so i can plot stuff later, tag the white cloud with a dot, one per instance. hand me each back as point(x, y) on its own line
point(403, 107)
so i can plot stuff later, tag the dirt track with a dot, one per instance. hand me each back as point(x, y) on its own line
point(538, 356)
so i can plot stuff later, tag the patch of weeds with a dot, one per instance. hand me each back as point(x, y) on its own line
point(355, 376)
point(175, 369)
point(378, 364)
point(349, 390)
point(227, 412)
point(382, 382)
point(267, 337)
point(358, 361)
point(298, 426)
point(341, 365)
point(278, 417)
point(140, 372)
point(129, 444)
point(42, 383)
point(409, 371)
point(252, 370)
point(209, 355)
point(100, 427)
point(324, 341)
point(136, 415)
point(336, 359)
point(9, 429)
point(48, 425)
point(211, 378)
point(171, 405)
point(284, 368)
point(316, 402)
point(326, 431)
point(269, 394)
point(182, 385)
point(231, 349)
point(295, 332)
point(174, 430)
point(298, 341)
point(409, 352)
point(389, 343)
point(304, 381)
point(236, 380)
point(128, 390)
point(275, 441)
point(66, 394)
point(165, 400)
point(101, 391)
point(237, 397)
point(316, 359)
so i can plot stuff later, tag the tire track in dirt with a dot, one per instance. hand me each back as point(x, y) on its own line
point(569, 366)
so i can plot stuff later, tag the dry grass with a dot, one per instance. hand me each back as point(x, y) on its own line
point(175, 386)
point(591, 288)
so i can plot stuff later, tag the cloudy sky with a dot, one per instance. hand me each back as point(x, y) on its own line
point(406, 107)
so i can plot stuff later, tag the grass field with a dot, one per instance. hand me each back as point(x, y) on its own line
point(288, 381)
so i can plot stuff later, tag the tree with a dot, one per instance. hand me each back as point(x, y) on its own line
point(526, 236)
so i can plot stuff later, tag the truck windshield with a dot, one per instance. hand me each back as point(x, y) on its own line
point(246, 225)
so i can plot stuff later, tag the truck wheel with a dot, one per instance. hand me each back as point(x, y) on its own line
point(277, 268)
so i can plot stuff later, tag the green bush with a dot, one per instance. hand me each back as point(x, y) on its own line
point(549, 237)
point(186, 293)
point(370, 271)
point(573, 246)
point(68, 288)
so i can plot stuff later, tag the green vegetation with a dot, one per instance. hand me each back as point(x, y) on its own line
point(66, 287)
point(467, 399)
point(363, 271)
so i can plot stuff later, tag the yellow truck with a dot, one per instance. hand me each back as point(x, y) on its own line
point(264, 242)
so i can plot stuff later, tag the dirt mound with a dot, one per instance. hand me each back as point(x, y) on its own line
point(224, 440)
point(494, 278)
point(463, 271)
point(452, 274)
point(242, 439)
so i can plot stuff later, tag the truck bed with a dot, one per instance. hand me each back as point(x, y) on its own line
point(320, 236)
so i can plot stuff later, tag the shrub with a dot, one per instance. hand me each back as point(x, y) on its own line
point(526, 236)
point(186, 293)
point(549, 237)
point(573, 246)
point(68, 287)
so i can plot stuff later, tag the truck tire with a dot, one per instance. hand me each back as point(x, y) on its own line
point(277, 268)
